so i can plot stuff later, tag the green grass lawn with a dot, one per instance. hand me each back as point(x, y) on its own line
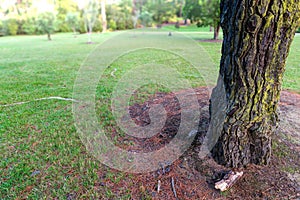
point(188, 28)
point(41, 153)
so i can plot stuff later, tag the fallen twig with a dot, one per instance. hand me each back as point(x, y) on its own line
point(228, 180)
point(158, 186)
point(113, 73)
point(173, 187)
point(40, 99)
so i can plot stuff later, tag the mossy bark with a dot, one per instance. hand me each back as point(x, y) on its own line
point(257, 38)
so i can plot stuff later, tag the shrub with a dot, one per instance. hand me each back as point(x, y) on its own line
point(146, 19)
point(62, 26)
point(129, 24)
point(298, 31)
point(199, 24)
point(29, 26)
point(121, 24)
point(112, 25)
point(11, 27)
point(60, 23)
point(72, 19)
point(82, 27)
point(97, 26)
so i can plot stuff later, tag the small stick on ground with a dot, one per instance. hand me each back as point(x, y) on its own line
point(113, 73)
point(173, 187)
point(158, 186)
point(228, 180)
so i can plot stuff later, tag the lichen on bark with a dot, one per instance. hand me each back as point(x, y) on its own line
point(257, 38)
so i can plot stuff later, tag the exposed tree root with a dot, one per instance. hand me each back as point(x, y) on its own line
point(40, 99)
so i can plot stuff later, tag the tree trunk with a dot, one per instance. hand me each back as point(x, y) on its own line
point(89, 36)
point(49, 36)
point(103, 14)
point(74, 31)
point(90, 30)
point(257, 38)
point(181, 9)
point(216, 31)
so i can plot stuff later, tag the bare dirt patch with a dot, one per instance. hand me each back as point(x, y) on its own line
point(211, 41)
point(194, 178)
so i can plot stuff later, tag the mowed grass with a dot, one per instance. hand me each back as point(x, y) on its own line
point(292, 73)
point(41, 153)
point(188, 28)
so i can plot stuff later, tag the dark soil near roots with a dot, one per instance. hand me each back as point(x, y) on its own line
point(194, 178)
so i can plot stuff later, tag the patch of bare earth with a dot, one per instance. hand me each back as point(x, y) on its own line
point(194, 178)
point(211, 40)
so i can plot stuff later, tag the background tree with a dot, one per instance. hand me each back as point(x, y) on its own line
point(146, 19)
point(22, 7)
point(257, 38)
point(29, 23)
point(192, 10)
point(90, 13)
point(161, 10)
point(135, 13)
point(210, 15)
point(62, 8)
point(139, 5)
point(45, 23)
point(111, 16)
point(14, 15)
point(72, 20)
point(10, 26)
point(126, 10)
point(103, 15)
point(119, 16)
point(204, 13)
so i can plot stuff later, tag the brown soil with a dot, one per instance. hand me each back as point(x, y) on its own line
point(194, 178)
point(211, 40)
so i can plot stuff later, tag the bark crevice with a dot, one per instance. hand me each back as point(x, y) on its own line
point(254, 51)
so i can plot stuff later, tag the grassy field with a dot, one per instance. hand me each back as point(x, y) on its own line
point(190, 28)
point(41, 153)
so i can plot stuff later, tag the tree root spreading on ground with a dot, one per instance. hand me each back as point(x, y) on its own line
point(40, 99)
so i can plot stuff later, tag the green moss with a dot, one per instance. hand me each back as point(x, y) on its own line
point(268, 20)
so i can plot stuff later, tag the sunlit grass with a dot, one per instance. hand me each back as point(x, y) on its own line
point(41, 153)
point(187, 28)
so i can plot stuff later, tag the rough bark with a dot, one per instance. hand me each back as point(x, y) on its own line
point(257, 38)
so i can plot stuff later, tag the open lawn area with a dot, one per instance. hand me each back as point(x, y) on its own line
point(41, 154)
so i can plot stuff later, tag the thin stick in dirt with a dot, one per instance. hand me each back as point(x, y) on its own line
point(173, 187)
point(158, 186)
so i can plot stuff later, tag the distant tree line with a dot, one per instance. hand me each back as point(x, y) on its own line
point(27, 17)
